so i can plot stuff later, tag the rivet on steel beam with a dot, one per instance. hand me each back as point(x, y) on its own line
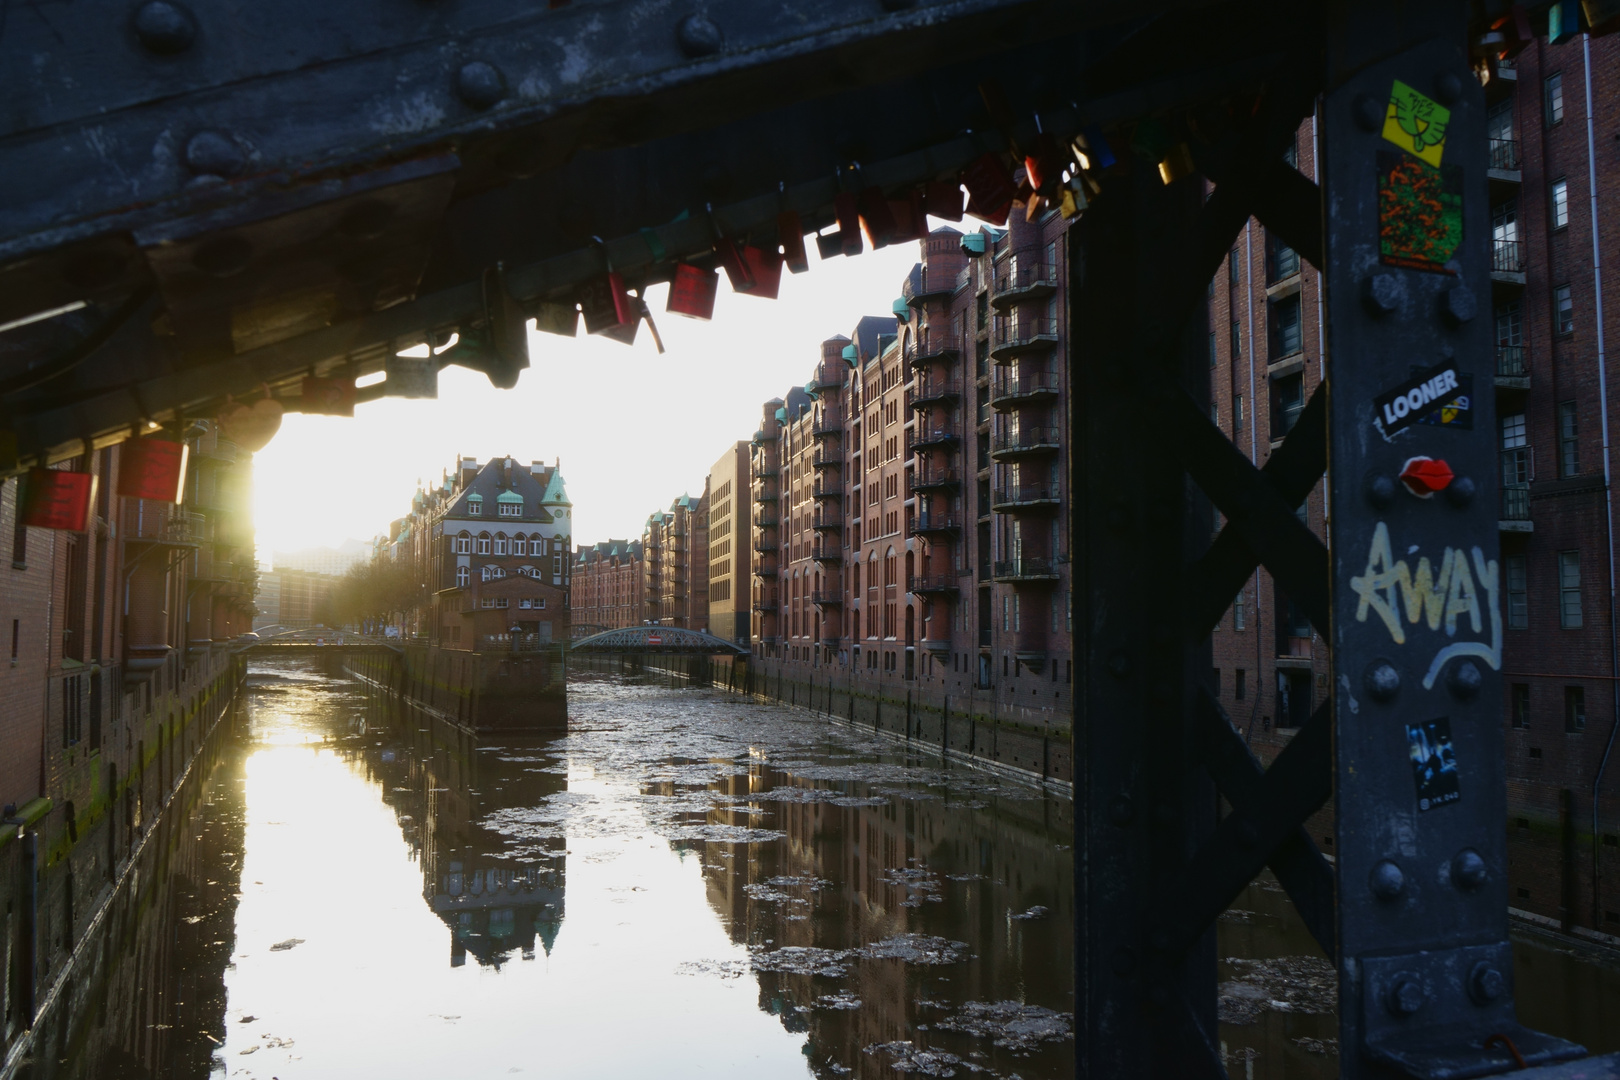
point(1461, 492)
point(480, 84)
point(1119, 665)
point(1447, 87)
point(214, 153)
point(1381, 490)
point(1465, 679)
point(223, 257)
point(1382, 681)
point(1468, 869)
point(1458, 305)
point(165, 28)
point(1382, 293)
point(1386, 880)
point(1121, 811)
point(699, 36)
point(1485, 983)
point(1406, 996)
point(1369, 112)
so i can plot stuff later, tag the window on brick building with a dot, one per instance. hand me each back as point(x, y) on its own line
point(1287, 402)
point(1518, 592)
point(1519, 704)
point(1232, 268)
point(483, 544)
point(463, 576)
point(1552, 92)
point(1569, 590)
point(1560, 203)
point(1515, 449)
point(1574, 709)
point(1239, 614)
point(1240, 684)
point(1212, 359)
point(1237, 342)
point(1286, 339)
point(464, 544)
point(1563, 310)
point(1237, 414)
point(1291, 154)
point(500, 543)
point(1569, 447)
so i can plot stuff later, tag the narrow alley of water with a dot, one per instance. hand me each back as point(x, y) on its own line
point(688, 884)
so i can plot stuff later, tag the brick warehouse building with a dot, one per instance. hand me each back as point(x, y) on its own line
point(675, 563)
point(121, 663)
point(607, 590)
point(911, 511)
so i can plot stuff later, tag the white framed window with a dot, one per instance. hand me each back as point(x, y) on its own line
point(537, 546)
point(464, 544)
point(463, 575)
point(497, 572)
point(483, 573)
point(540, 602)
point(475, 507)
point(483, 544)
point(1560, 203)
point(500, 543)
point(523, 603)
point(510, 509)
point(556, 564)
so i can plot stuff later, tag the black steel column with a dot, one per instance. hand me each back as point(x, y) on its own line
point(1142, 799)
point(1426, 968)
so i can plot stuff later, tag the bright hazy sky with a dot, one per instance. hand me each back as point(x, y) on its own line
point(633, 429)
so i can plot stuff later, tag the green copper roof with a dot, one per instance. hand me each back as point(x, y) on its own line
point(509, 497)
point(556, 494)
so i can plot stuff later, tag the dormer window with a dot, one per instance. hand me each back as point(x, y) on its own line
point(508, 509)
point(475, 506)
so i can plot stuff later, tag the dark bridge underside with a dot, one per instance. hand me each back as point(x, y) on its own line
point(363, 197)
point(657, 641)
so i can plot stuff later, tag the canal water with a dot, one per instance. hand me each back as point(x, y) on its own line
point(688, 884)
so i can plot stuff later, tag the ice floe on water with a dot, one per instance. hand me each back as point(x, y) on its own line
point(1010, 1025)
point(1302, 984)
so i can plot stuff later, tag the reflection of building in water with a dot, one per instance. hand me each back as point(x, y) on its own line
point(993, 872)
point(441, 783)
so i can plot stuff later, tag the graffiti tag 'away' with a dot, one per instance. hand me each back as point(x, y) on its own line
point(1462, 594)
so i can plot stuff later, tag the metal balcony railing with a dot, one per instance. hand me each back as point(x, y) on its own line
point(829, 423)
point(929, 391)
point(765, 603)
point(826, 459)
point(923, 524)
point(765, 495)
point(1504, 153)
point(1510, 362)
point(923, 439)
point(935, 343)
point(828, 491)
point(1515, 502)
point(933, 583)
point(1507, 256)
point(1027, 386)
point(1026, 440)
point(1041, 495)
point(1012, 334)
point(827, 598)
point(935, 480)
point(1025, 274)
point(765, 521)
point(1026, 569)
point(827, 522)
point(827, 553)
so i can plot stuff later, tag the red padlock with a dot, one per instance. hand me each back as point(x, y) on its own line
point(790, 234)
point(734, 264)
point(606, 304)
point(152, 469)
point(57, 499)
point(692, 291)
point(1423, 476)
point(990, 188)
point(943, 199)
point(876, 217)
point(849, 222)
point(765, 267)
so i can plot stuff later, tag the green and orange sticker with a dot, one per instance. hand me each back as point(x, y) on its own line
point(1420, 215)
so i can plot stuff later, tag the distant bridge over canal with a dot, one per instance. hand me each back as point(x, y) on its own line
point(656, 641)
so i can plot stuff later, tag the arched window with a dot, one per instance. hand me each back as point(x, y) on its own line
point(464, 544)
point(483, 573)
point(463, 575)
point(483, 543)
point(500, 543)
point(537, 545)
point(497, 571)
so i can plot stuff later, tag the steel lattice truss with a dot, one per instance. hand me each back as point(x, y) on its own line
point(657, 640)
point(244, 197)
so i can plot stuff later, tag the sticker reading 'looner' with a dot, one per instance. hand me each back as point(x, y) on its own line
point(1440, 387)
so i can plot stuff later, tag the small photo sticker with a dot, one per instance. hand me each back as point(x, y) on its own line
point(1434, 763)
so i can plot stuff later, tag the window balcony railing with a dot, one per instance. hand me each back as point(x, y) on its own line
point(765, 521)
point(1026, 274)
point(1029, 386)
point(829, 423)
point(935, 480)
point(923, 524)
point(765, 603)
point(1026, 569)
point(920, 285)
point(1025, 440)
point(933, 390)
point(826, 459)
point(924, 439)
point(934, 584)
point(1515, 502)
point(764, 495)
point(1504, 153)
point(765, 547)
point(1016, 334)
point(827, 553)
point(1025, 495)
point(1507, 256)
point(828, 522)
point(935, 343)
point(821, 493)
point(827, 598)
point(1510, 362)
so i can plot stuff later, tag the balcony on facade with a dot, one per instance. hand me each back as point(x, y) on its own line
point(828, 553)
point(935, 480)
point(765, 570)
point(927, 438)
point(765, 521)
point(830, 641)
point(934, 585)
point(827, 598)
point(764, 494)
point(1025, 274)
point(1024, 442)
point(1030, 647)
point(934, 344)
point(826, 458)
point(827, 425)
point(1507, 262)
point(765, 603)
point(1015, 335)
point(1512, 369)
point(1502, 169)
point(1026, 569)
point(929, 524)
point(920, 286)
point(1034, 387)
point(823, 492)
point(1042, 497)
point(151, 522)
point(828, 522)
point(1515, 508)
point(935, 390)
